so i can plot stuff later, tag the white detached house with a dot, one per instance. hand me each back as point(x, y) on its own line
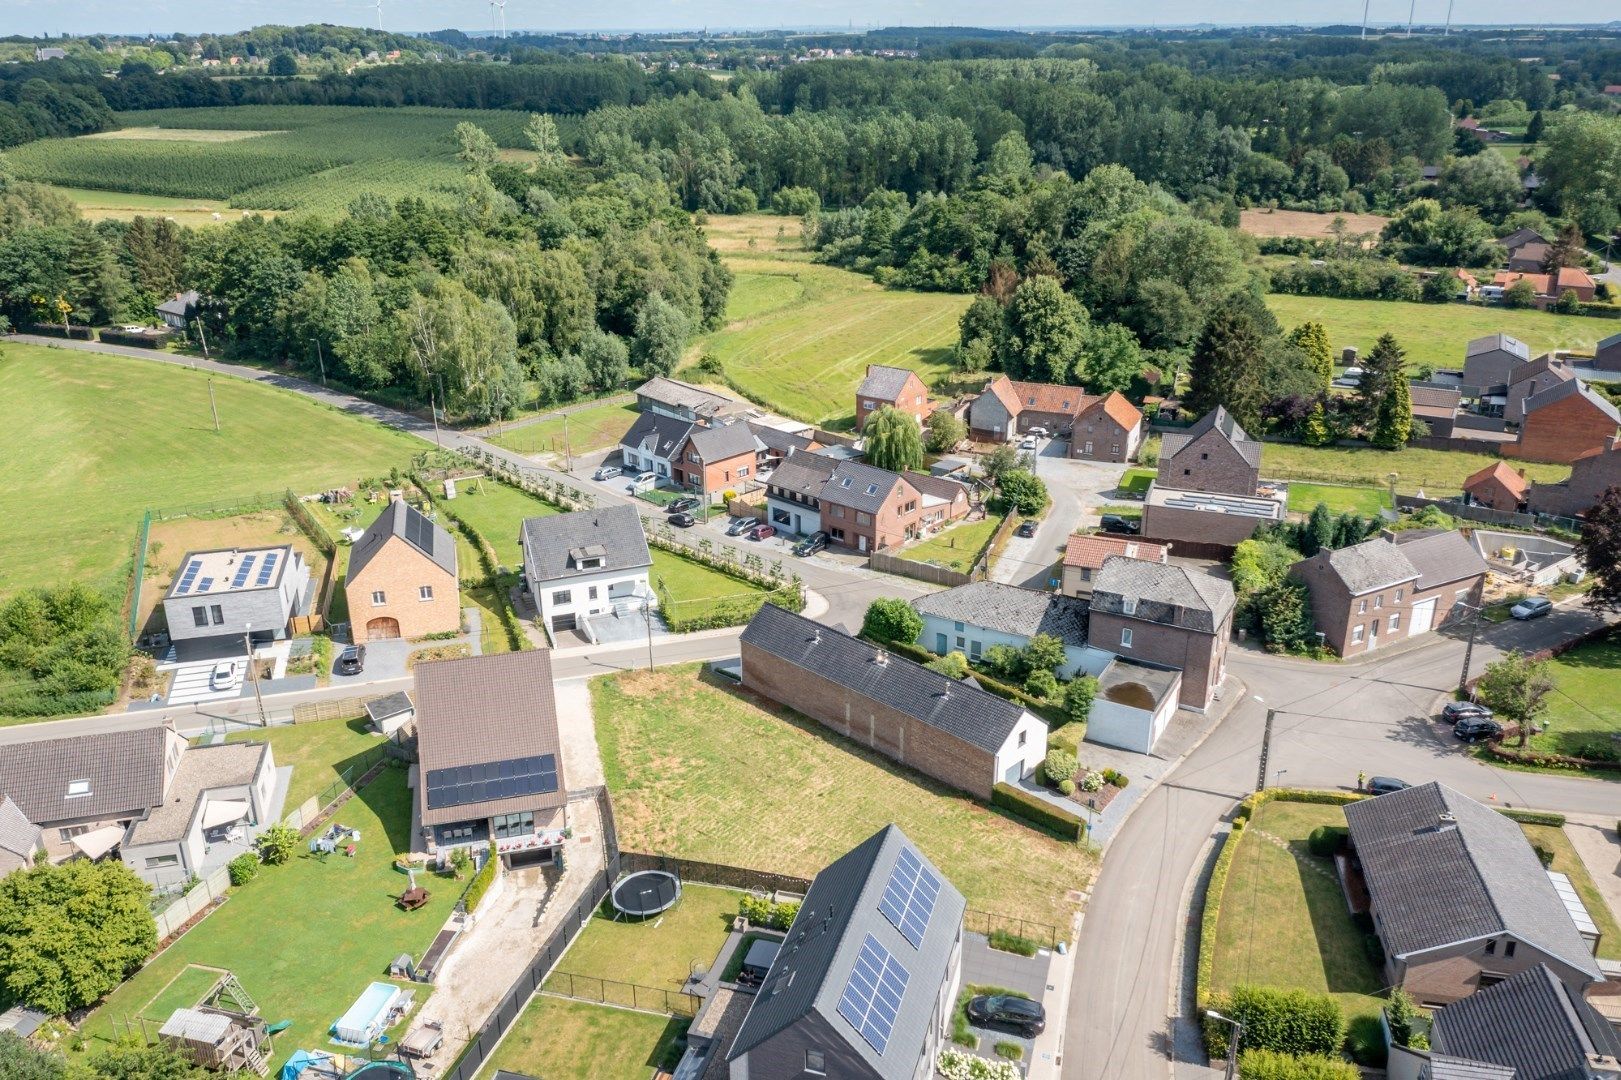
point(586, 565)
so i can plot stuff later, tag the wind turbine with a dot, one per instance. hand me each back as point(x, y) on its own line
point(1411, 7)
point(501, 6)
point(1365, 4)
point(379, 15)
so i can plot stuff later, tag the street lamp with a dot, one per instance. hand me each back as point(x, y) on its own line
point(1266, 743)
point(1232, 1044)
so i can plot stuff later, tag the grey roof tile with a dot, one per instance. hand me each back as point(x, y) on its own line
point(1445, 556)
point(551, 542)
point(804, 473)
point(1493, 342)
point(18, 835)
point(723, 442)
point(979, 718)
point(410, 525)
point(1435, 882)
point(657, 434)
point(1531, 1023)
point(1009, 609)
point(860, 486)
point(783, 442)
point(483, 709)
point(680, 395)
point(1164, 593)
point(201, 768)
point(389, 705)
point(884, 382)
point(839, 912)
point(1372, 564)
point(124, 768)
point(1218, 419)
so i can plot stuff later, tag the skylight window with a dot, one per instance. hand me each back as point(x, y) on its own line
point(78, 789)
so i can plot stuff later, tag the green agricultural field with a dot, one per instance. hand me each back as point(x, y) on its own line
point(108, 436)
point(306, 938)
point(675, 743)
point(1436, 334)
point(307, 158)
point(1435, 472)
point(122, 206)
point(800, 336)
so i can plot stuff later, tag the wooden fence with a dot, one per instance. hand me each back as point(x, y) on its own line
point(884, 562)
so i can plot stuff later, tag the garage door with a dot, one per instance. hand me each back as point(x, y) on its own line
point(1423, 617)
point(382, 628)
point(562, 622)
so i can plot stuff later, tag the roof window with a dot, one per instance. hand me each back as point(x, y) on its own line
point(78, 789)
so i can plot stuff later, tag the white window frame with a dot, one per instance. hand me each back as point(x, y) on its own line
point(78, 789)
point(425, 592)
point(378, 598)
point(1356, 635)
point(1125, 637)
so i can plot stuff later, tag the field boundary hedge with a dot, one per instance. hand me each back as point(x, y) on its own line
point(1037, 811)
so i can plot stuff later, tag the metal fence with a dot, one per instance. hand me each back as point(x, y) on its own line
point(625, 995)
point(1488, 516)
point(200, 896)
point(989, 922)
point(708, 873)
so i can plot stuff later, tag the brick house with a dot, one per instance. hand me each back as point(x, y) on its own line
point(1489, 363)
point(1550, 287)
point(490, 758)
point(1388, 589)
point(1497, 487)
point(870, 509)
point(1208, 496)
point(1459, 898)
point(899, 388)
point(1084, 557)
point(1529, 257)
point(794, 492)
point(1607, 357)
point(952, 731)
point(1437, 406)
point(944, 500)
point(1591, 474)
point(1528, 380)
point(1564, 422)
point(718, 459)
point(402, 579)
point(1109, 428)
point(775, 444)
point(874, 970)
point(1006, 409)
point(1165, 614)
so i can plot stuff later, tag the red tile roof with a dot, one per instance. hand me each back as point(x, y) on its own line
point(1090, 551)
point(1117, 408)
point(1050, 397)
point(1505, 475)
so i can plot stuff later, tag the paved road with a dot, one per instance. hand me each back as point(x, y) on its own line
point(1333, 720)
point(1078, 488)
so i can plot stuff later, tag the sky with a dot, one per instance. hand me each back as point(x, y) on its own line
point(197, 16)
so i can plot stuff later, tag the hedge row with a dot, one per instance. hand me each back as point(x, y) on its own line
point(1038, 811)
point(1212, 913)
point(1548, 760)
point(480, 884)
point(137, 341)
point(1271, 1065)
point(1533, 817)
point(1285, 1021)
point(1047, 712)
point(1300, 795)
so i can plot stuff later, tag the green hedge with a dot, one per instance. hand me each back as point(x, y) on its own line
point(1533, 817)
point(480, 884)
point(1212, 913)
point(1054, 715)
point(1299, 795)
point(1038, 811)
point(1286, 1021)
point(1271, 1065)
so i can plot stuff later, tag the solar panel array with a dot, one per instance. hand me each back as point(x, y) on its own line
point(243, 570)
point(188, 578)
point(466, 784)
point(419, 532)
point(909, 897)
point(872, 997)
point(267, 570)
point(205, 584)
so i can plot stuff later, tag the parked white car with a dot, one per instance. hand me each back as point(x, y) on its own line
point(224, 676)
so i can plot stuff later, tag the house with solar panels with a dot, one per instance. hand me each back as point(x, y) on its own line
point(402, 577)
point(490, 762)
point(234, 592)
point(865, 982)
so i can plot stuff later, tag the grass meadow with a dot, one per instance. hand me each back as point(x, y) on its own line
point(99, 438)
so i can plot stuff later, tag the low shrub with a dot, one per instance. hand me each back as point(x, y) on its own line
point(1286, 1021)
point(1038, 811)
point(1401, 1012)
point(1534, 817)
point(1006, 941)
point(1325, 840)
point(1324, 798)
point(244, 868)
point(1066, 786)
point(1012, 1051)
point(763, 911)
point(1060, 765)
point(480, 884)
point(954, 1064)
point(1543, 854)
point(277, 844)
point(1092, 781)
point(1041, 684)
point(1271, 1065)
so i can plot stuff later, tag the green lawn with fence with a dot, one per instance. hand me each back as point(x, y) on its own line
point(1584, 710)
point(322, 752)
point(1437, 473)
point(956, 548)
point(1367, 501)
point(575, 1040)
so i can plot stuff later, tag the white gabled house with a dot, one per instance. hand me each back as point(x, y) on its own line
point(585, 565)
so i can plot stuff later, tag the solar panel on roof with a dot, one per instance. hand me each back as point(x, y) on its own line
point(908, 899)
point(419, 532)
point(872, 997)
point(267, 570)
point(205, 584)
point(508, 779)
point(243, 571)
point(189, 577)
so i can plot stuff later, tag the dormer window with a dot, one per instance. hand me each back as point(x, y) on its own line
point(78, 789)
point(1128, 605)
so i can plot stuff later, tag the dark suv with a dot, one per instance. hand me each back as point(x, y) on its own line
point(1114, 523)
point(1026, 1017)
point(352, 660)
point(1475, 728)
point(1453, 711)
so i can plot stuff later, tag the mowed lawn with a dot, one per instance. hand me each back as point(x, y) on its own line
point(497, 511)
point(1435, 334)
point(123, 206)
point(957, 547)
point(659, 952)
point(705, 771)
point(575, 1040)
point(1567, 862)
point(1367, 501)
point(1434, 472)
point(306, 938)
point(1283, 917)
point(319, 752)
point(799, 336)
point(1584, 708)
point(694, 588)
point(584, 430)
point(96, 439)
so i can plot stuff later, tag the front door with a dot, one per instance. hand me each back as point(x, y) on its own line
point(861, 542)
point(1373, 635)
point(940, 644)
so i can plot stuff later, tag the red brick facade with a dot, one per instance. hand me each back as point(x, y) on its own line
point(1201, 657)
point(1561, 431)
point(913, 400)
point(713, 477)
point(1497, 487)
point(897, 521)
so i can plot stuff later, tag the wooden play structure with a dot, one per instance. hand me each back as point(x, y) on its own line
point(223, 1032)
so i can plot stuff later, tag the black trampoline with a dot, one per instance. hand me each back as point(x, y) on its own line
point(646, 893)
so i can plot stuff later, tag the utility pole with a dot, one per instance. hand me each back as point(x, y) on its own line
point(568, 451)
point(1266, 748)
point(1469, 649)
point(202, 335)
point(433, 410)
point(322, 360)
point(647, 617)
point(212, 407)
point(1412, 6)
point(253, 676)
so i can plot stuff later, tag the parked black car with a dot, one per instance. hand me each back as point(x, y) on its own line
point(683, 521)
point(1384, 785)
point(1027, 528)
point(1453, 711)
point(1475, 728)
point(352, 660)
point(813, 543)
point(1114, 523)
point(1026, 1017)
point(682, 506)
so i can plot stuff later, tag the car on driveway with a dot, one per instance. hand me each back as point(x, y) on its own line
point(1532, 607)
point(1114, 523)
point(352, 660)
point(1472, 729)
point(224, 676)
point(1040, 432)
point(1453, 711)
point(1029, 442)
point(1384, 785)
point(1019, 1014)
point(643, 482)
point(741, 525)
point(682, 521)
point(761, 531)
point(606, 472)
point(682, 506)
point(813, 543)
point(1026, 529)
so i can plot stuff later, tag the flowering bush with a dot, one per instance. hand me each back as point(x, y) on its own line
point(1092, 781)
point(957, 1065)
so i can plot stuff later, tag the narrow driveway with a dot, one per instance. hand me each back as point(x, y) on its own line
point(1078, 490)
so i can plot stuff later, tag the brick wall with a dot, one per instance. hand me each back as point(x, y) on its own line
point(1563, 430)
point(1447, 975)
point(1210, 463)
point(1202, 658)
point(717, 476)
point(1109, 441)
point(1197, 527)
point(399, 571)
point(893, 734)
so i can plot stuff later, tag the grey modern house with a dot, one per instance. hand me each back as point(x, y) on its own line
point(1529, 1027)
point(866, 980)
point(237, 592)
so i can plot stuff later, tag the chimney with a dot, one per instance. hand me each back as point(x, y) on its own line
point(881, 658)
point(396, 495)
